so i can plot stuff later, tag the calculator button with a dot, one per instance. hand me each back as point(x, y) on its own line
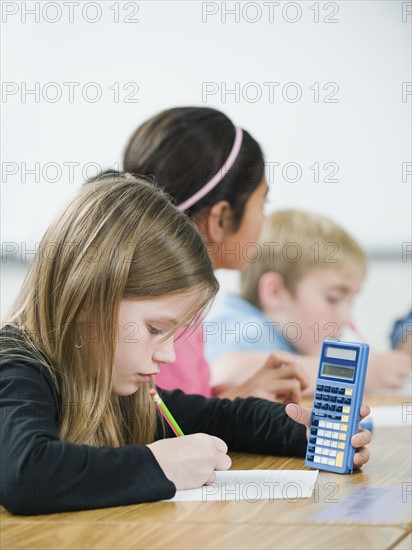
point(327, 433)
point(339, 409)
point(331, 462)
point(317, 405)
point(310, 458)
point(345, 418)
point(339, 460)
point(341, 391)
point(323, 460)
point(335, 435)
point(334, 390)
point(332, 453)
point(315, 422)
point(346, 410)
point(342, 437)
point(313, 431)
point(325, 397)
point(326, 443)
point(341, 445)
point(332, 399)
point(325, 406)
point(328, 425)
point(348, 391)
point(326, 388)
point(320, 441)
point(319, 387)
point(336, 426)
point(318, 396)
point(339, 399)
point(334, 444)
point(332, 407)
point(317, 459)
point(318, 450)
point(322, 424)
point(347, 400)
point(321, 433)
point(312, 440)
point(311, 449)
point(344, 428)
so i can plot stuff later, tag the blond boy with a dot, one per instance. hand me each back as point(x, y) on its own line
point(297, 289)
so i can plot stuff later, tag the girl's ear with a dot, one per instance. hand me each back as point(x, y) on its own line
point(271, 290)
point(218, 222)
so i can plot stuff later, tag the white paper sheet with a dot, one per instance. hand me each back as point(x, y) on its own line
point(253, 485)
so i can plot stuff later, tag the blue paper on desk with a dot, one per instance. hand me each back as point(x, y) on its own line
point(254, 485)
point(371, 505)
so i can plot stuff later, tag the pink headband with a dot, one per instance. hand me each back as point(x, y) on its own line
point(217, 178)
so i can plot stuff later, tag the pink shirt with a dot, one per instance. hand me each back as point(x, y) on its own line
point(190, 372)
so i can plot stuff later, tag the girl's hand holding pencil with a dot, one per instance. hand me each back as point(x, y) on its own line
point(189, 461)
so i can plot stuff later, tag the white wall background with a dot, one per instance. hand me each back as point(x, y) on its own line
point(168, 51)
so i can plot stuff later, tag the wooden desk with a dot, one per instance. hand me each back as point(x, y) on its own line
point(241, 525)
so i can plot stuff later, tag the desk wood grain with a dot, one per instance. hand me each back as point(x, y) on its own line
point(75, 535)
point(262, 524)
point(405, 543)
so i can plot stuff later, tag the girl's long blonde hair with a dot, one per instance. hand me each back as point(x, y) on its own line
point(119, 238)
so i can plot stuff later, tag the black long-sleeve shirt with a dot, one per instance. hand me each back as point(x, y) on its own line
point(41, 473)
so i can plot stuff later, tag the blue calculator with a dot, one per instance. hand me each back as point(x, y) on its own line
point(336, 405)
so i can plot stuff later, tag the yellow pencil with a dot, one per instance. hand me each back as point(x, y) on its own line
point(167, 415)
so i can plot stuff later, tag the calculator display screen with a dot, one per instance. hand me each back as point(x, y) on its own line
point(341, 353)
point(345, 373)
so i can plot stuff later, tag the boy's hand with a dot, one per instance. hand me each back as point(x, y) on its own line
point(280, 376)
point(359, 440)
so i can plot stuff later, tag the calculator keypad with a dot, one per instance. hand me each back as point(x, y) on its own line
point(328, 433)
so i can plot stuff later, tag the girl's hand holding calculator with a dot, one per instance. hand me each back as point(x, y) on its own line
point(336, 407)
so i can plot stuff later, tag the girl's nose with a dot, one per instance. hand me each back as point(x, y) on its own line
point(165, 353)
